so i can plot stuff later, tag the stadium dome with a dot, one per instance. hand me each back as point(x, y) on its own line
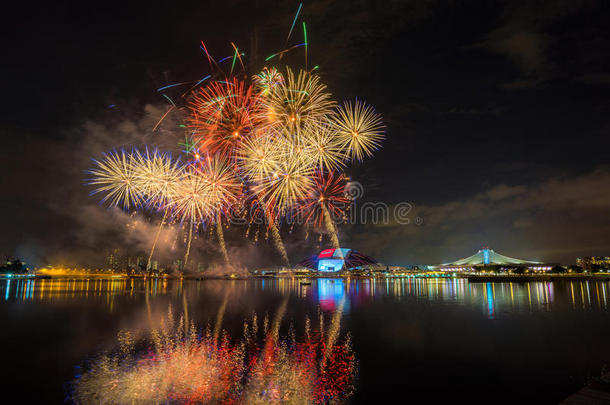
point(331, 260)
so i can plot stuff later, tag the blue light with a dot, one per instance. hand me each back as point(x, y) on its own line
point(485, 256)
point(331, 292)
point(341, 253)
point(330, 264)
point(491, 313)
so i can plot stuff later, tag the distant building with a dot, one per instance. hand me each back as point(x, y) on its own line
point(112, 259)
point(593, 262)
point(178, 265)
point(488, 259)
point(116, 260)
point(15, 266)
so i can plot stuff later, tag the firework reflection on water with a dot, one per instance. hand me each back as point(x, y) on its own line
point(178, 363)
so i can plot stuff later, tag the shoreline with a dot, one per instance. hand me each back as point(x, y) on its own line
point(520, 278)
point(472, 278)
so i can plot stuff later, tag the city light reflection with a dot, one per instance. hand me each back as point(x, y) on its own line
point(491, 298)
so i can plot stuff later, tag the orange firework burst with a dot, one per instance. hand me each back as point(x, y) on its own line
point(224, 113)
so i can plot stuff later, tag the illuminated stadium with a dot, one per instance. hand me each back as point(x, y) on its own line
point(332, 260)
point(487, 258)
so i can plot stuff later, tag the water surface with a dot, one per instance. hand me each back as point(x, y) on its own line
point(415, 339)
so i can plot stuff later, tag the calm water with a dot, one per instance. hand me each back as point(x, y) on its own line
point(416, 339)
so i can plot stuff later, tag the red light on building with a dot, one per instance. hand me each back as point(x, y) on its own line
point(326, 253)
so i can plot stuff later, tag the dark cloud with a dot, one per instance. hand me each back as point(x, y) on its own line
point(529, 33)
point(594, 79)
point(555, 220)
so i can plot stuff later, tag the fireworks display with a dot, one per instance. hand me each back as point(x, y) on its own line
point(273, 142)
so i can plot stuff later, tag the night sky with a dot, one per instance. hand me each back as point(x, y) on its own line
point(497, 117)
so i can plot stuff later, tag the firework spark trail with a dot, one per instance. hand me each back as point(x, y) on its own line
point(156, 176)
point(305, 41)
point(327, 197)
point(171, 85)
point(238, 56)
point(152, 249)
point(294, 22)
point(188, 246)
point(330, 227)
point(279, 244)
point(196, 84)
point(224, 190)
point(221, 238)
point(191, 203)
point(258, 208)
point(163, 117)
point(267, 80)
point(281, 53)
point(272, 225)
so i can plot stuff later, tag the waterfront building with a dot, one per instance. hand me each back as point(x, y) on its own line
point(15, 266)
point(334, 260)
point(487, 259)
point(591, 263)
